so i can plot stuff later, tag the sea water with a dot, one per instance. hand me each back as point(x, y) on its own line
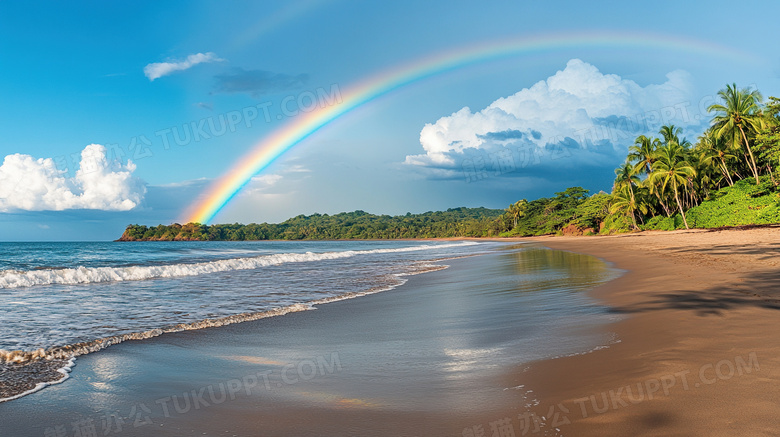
point(63, 300)
point(66, 299)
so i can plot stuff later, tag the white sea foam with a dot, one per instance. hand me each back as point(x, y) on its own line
point(65, 371)
point(73, 350)
point(88, 275)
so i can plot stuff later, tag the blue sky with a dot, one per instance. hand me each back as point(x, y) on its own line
point(73, 75)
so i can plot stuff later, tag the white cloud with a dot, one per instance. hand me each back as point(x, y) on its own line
point(267, 179)
point(578, 106)
point(199, 182)
point(31, 184)
point(160, 69)
point(262, 184)
point(296, 168)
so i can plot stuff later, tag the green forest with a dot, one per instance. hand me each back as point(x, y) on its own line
point(455, 222)
point(727, 177)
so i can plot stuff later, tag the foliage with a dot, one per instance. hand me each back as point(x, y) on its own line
point(768, 138)
point(743, 204)
point(616, 224)
point(549, 215)
point(592, 212)
point(455, 222)
point(661, 223)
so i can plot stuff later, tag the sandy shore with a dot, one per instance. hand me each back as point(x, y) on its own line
point(699, 352)
point(698, 355)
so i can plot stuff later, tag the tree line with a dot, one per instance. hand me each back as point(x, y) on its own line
point(455, 222)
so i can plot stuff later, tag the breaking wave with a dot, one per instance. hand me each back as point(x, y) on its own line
point(52, 366)
point(88, 275)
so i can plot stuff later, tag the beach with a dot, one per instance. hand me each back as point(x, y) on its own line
point(681, 341)
point(701, 335)
point(411, 360)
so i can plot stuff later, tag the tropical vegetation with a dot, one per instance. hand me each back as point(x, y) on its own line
point(455, 222)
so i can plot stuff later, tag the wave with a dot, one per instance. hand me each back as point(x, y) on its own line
point(88, 275)
point(83, 348)
point(63, 358)
point(73, 350)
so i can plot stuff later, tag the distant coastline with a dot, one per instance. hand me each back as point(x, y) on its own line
point(455, 222)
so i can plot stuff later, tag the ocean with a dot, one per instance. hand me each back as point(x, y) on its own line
point(64, 300)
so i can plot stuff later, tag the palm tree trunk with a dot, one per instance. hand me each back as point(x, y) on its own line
point(752, 159)
point(726, 172)
point(633, 203)
point(666, 208)
point(677, 197)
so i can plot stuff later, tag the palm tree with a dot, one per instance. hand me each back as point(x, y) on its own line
point(643, 153)
point(671, 168)
point(626, 176)
point(517, 210)
point(715, 150)
point(671, 134)
point(699, 185)
point(624, 200)
point(626, 179)
point(739, 113)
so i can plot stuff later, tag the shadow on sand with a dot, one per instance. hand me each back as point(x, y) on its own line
point(760, 290)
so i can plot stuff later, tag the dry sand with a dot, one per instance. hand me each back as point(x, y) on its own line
point(702, 334)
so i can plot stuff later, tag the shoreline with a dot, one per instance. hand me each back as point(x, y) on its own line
point(698, 355)
point(411, 361)
point(61, 359)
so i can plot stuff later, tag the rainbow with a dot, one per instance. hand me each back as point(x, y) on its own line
point(271, 147)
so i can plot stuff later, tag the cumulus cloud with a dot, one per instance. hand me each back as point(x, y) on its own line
point(160, 69)
point(258, 82)
point(578, 111)
point(31, 184)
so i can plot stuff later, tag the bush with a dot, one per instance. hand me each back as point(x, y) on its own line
point(743, 204)
point(616, 224)
point(660, 223)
